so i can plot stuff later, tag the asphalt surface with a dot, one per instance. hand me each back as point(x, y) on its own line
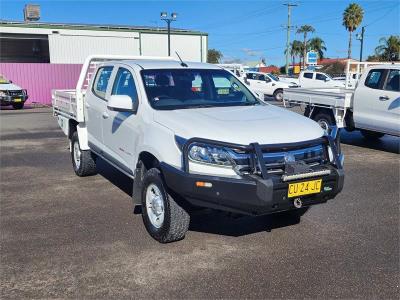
point(68, 237)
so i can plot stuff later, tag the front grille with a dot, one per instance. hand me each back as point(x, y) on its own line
point(15, 93)
point(275, 161)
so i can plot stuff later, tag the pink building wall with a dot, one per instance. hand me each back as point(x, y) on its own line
point(39, 79)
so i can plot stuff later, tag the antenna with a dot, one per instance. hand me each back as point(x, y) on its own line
point(182, 63)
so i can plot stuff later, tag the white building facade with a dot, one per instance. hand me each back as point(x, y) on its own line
point(72, 43)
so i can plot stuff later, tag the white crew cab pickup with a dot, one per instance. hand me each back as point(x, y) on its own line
point(194, 135)
point(373, 106)
point(315, 79)
point(265, 84)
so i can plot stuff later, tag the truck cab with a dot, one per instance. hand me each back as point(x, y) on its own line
point(193, 135)
point(313, 79)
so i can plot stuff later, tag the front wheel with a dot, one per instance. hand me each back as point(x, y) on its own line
point(278, 95)
point(82, 160)
point(371, 135)
point(163, 218)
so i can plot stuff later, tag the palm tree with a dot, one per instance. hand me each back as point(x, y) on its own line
point(389, 48)
point(352, 18)
point(296, 49)
point(305, 29)
point(318, 45)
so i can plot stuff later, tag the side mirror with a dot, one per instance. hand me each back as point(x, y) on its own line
point(11, 81)
point(121, 103)
point(327, 79)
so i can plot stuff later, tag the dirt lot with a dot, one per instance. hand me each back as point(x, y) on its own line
point(64, 236)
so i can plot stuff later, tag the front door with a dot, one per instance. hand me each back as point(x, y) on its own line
point(120, 129)
point(95, 104)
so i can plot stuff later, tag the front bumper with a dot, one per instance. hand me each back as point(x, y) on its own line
point(251, 195)
point(256, 193)
point(8, 99)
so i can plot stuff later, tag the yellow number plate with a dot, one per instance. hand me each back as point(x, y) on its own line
point(17, 100)
point(304, 188)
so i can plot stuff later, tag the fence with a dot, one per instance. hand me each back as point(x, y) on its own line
point(39, 79)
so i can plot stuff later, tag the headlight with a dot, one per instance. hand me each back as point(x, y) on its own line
point(210, 155)
point(2, 94)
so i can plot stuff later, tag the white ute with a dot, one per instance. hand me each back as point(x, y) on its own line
point(373, 106)
point(265, 84)
point(193, 135)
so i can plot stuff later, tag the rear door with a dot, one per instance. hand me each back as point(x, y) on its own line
point(95, 105)
point(377, 102)
point(121, 129)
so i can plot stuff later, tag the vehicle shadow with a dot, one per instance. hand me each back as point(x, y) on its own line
point(221, 223)
point(386, 143)
point(117, 178)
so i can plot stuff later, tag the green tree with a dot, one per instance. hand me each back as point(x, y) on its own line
point(318, 45)
point(389, 48)
point(305, 29)
point(352, 18)
point(214, 56)
point(295, 50)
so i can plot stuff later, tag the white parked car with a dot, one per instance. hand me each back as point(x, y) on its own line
point(313, 79)
point(12, 94)
point(192, 134)
point(265, 84)
point(373, 106)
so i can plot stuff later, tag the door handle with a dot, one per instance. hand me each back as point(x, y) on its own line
point(383, 98)
point(105, 115)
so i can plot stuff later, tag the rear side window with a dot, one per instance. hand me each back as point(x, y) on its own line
point(124, 84)
point(393, 81)
point(101, 81)
point(374, 78)
point(308, 75)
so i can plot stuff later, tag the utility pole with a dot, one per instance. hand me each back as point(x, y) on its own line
point(361, 38)
point(289, 6)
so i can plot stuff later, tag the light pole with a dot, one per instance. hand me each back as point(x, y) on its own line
point(164, 17)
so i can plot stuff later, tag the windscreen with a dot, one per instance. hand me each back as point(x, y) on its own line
point(169, 89)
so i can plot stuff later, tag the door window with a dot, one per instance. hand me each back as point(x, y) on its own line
point(101, 81)
point(374, 78)
point(124, 84)
point(393, 81)
point(319, 76)
point(261, 77)
point(250, 76)
point(308, 75)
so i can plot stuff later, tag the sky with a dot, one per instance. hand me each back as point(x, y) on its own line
point(245, 30)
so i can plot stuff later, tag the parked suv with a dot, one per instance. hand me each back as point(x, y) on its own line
point(194, 135)
point(12, 94)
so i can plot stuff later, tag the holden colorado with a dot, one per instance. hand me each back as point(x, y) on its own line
point(193, 135)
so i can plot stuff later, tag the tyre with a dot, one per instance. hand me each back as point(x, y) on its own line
point(324, 119)
point(163, 218)
point(82, 160)
point(371, 135)
point(278, 95)
point(18, 105)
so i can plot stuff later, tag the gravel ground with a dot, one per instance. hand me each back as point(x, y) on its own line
point(69, 237)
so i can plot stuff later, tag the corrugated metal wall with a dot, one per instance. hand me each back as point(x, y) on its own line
point(39, 79)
